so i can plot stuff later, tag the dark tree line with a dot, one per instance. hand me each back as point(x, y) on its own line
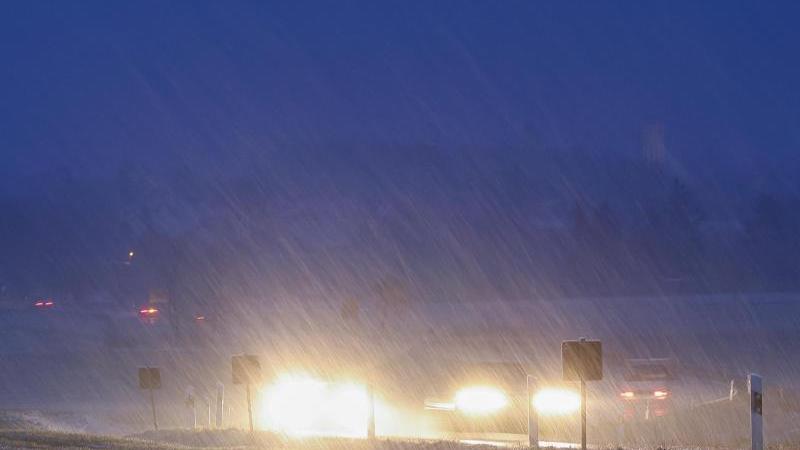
point(458, 227)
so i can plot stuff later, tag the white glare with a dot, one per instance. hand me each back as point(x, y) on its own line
point(480, 400)
point(303, 406)
point(556, 401)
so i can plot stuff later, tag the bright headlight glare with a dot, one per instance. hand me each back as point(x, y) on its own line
point(554, 402)
point(480, 400)
point(301, 406)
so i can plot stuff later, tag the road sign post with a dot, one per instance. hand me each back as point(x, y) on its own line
point(756, 388)
point(150, 380)
point(191, 402)
point(533, 418)
point(249, 407)
point(246, 370)
point(153, 409)
point(582, 361)
point(583, 414)
point(220, 406)
point(370, 412)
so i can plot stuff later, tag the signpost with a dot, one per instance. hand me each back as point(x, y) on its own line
point(150, 379)
point(370, 412)
point(246, 370)
point(582, 361)
point(533, 418)
point(756, 388)
point(191, 402)
point(220, 406)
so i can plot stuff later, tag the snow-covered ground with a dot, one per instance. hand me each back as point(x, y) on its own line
point(79, 368)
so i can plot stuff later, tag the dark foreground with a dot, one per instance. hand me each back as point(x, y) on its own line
point(228, 439)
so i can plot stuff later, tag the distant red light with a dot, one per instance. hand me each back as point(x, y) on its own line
point(199, 318)
point(149, 311)
point(44, 304)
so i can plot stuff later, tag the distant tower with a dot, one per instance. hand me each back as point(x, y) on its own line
point(653, 148)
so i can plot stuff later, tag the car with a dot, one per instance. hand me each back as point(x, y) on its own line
point(648, 388)
point(479, 396)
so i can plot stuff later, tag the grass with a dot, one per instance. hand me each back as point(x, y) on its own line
point(225, 439)
point(29, 439)
point(265, 440)
point(207, 440)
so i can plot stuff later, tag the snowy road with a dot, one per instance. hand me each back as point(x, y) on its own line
point(512, 440)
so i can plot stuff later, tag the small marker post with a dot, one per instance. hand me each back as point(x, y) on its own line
point(756, 388)
point(370, 412)
point(220, 406)
point(533, 417)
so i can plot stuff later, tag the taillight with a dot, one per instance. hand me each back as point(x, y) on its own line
point(660, 394)
point(627, 395)
point(148, 312)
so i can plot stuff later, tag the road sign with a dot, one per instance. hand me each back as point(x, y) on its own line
point(246, 369)
point(149, 378)
point(582, 360)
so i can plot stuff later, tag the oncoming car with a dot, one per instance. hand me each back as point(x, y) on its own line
point(496, 397)
point(479, 397)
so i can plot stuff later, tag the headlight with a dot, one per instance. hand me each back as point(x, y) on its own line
point(304, 406)
point(556, 401)
point(480, 400)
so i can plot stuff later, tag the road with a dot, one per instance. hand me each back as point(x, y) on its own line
point(512, 440)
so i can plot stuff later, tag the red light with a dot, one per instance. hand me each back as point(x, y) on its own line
point(44, 304)
point(199, 318)
point(627, 395)
point(149, 311)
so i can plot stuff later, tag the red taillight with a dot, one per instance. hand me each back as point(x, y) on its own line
point(148, 312)
point(660, 394)
point(627, 395)
point(44, 303)
point(199, 318)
